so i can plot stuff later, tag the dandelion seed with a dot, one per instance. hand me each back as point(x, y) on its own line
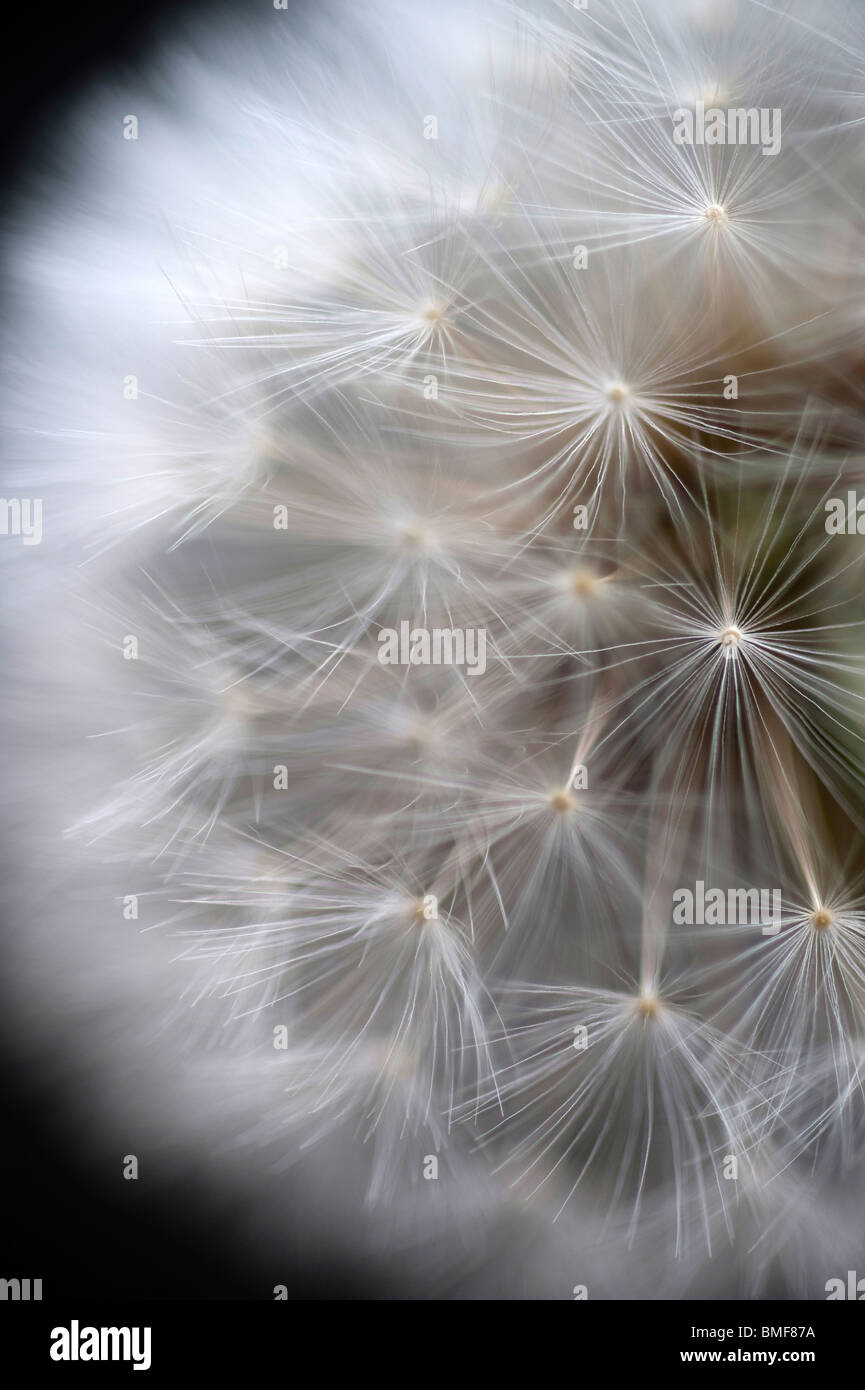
point(683, 1087)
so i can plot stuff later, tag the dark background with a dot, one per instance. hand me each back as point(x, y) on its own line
point(57, 1221)
point(55, 53)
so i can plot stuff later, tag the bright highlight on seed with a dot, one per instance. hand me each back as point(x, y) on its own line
point(583, 583)
point(617, 392)
point(730, 639)
point(416, 536)
point(647, 1006)
point(433, 314)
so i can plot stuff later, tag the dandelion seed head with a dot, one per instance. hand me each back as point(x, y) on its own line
point(715, 214)
point(432, 316)
point(617, 393)
point(731, 638)
point(646, 1055)
point(647, 1006)
point(423, 732)
point(822, 919)
point(373, 857)
point(583, 582)
point(417, 536)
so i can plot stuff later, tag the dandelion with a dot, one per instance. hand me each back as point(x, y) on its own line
point(456, 322)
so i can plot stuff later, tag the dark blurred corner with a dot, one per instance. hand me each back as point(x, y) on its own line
point(89, 1236)
point(56, 51)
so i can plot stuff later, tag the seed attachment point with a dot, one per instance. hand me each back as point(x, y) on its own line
point(730, 639)
point(617, 392)
point(647, 1006)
